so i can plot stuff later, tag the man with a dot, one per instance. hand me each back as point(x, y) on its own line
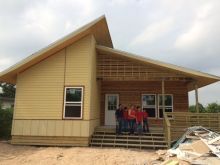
point(119, 118)
point(145, 121)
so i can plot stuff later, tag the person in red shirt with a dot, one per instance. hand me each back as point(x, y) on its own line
point(125, 119)
point(145, 121)
point(131, 118)
point(139, 120)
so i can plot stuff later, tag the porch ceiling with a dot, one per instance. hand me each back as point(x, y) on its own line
point(115, 65)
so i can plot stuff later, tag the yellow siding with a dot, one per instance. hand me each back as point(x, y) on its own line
point(39, 96)
point(39, 93)
point(95, 92)
point(78, 70)
point(78, 128)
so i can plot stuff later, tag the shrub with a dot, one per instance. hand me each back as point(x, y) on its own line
point(6, 117)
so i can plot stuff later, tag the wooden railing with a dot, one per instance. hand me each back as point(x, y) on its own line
point(167, 129)
point(175, 127)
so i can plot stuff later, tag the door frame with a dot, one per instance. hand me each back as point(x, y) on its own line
point(106, 106)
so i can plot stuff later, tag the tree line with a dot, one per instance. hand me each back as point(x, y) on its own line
point(210, 108)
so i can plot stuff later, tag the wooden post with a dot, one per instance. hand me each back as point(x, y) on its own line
point(197, 97)
point(163, 95)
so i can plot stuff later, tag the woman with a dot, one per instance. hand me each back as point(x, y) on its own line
point(131, 118)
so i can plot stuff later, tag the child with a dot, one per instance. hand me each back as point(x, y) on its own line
point(145, 121)
point(131, 118)
point(139, 120)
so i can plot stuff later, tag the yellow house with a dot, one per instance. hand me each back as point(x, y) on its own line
point(67, 89)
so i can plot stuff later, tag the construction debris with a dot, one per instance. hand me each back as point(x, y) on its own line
point(198, 145)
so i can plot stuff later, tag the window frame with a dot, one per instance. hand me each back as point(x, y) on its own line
point(155, 106)
point(161, 106)
point(73, 102)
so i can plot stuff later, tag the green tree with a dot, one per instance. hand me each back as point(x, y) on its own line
point(192, 108)
point(213, 108)
point(8, 90)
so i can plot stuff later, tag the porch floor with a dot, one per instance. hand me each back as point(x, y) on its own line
point(105, 136)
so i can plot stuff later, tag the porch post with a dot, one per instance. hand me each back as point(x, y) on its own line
point(163, 95)
point(196, 97)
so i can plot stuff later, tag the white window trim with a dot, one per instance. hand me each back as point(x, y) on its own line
point(152, 105)
point(165, 106)
point(77, 102)
point(111, 94)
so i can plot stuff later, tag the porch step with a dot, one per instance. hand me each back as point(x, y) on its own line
point(108, 138)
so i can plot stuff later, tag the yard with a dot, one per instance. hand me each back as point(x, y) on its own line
point(12, 154)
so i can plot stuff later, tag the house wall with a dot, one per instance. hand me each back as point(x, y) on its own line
point(40, 94)
point(130, 92)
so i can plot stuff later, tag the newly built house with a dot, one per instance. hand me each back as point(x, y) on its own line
point(73, 86)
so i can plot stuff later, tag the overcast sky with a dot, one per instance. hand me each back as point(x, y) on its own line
point(182, 32)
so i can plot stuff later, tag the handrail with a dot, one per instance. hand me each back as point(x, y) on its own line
point(182, 120)
point(167, 129)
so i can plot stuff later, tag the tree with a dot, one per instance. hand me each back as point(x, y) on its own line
point(8, 90)
point(192, 108)
point(213, 108)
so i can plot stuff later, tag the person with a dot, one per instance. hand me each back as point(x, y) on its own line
point(118, 118)
point(125, 119)
point(131, 118)
point(139, 120)
point(145, 121)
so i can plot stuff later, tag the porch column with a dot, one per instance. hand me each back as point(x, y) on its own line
point(196, 97)
point(163, 95)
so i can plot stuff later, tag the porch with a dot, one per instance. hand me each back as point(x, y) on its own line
point(159, 137)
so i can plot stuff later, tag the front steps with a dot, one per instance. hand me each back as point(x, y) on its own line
point(106, 137)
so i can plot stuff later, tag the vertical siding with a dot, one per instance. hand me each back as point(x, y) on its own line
point(56, 128)
point(39, 93)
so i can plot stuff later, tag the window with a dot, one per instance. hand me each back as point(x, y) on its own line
point(168, 104)
point(112, 102)
point(73, 102)
point(149, 104)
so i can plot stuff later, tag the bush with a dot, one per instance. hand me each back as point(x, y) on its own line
point(6, 117)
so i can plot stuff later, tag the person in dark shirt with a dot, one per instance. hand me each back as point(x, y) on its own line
point(119, 118)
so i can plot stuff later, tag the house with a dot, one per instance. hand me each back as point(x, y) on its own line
point(67, 89)
point(6, 102)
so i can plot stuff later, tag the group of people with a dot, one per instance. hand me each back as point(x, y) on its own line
point(132, 119)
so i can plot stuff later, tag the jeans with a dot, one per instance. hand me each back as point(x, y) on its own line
point(145, 125)
point(139, 127)
point(118, 125)
point(131, 125)
point(125, 125)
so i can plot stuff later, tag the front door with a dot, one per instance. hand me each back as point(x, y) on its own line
point(111, 104)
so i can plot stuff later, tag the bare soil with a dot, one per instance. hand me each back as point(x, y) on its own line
point(31, 155)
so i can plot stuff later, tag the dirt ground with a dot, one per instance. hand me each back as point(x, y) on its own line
point(12, 154)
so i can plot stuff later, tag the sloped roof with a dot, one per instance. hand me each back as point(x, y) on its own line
point(201, 78)
point(99, 29)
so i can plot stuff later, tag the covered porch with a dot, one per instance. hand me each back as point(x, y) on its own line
point(159, 88)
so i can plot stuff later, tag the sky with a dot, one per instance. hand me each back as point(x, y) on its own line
point(182, 32)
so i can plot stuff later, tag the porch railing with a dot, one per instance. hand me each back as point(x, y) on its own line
point(167, 129)
point(176, 123)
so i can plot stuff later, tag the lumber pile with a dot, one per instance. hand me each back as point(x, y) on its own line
point(198, 145)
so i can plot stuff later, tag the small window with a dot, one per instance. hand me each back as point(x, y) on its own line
point(73, 102)
point(149, 104)
point(168, 105)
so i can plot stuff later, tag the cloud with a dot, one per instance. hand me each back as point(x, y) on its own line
point(185, 33)
point(154, 31)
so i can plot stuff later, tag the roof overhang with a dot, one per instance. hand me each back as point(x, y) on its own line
point(98, 28)
point(200, 78)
